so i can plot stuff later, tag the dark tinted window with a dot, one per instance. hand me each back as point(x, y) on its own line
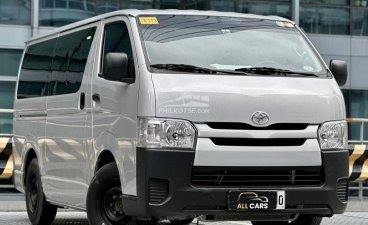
point(70, 60)
point(35, 72)
point(117, 40)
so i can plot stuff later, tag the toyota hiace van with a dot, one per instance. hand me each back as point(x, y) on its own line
point(152, 115)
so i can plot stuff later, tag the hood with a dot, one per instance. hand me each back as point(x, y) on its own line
point(227, 98)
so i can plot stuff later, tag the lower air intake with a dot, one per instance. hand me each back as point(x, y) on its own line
point(256, 176)
point(342, 189)
point(158, 190)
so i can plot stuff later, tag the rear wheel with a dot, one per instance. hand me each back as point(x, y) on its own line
point(182, 221)
point(104, 198)
point(301, 220)
point(40, 212)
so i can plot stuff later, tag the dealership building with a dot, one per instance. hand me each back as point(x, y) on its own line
point(338, 28)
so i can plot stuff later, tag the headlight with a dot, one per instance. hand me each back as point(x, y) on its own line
point(161, 133)
point(333, 135)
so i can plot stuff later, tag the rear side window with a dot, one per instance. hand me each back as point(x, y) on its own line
point(35, 72)
point(70, 60)
point(56, 66)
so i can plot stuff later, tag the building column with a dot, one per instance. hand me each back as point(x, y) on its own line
point(35, 9)
point(295, 7)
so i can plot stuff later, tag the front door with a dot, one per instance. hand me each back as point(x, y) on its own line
point(115, 103)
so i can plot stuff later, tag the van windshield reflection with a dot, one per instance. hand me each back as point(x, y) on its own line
point(227, 44)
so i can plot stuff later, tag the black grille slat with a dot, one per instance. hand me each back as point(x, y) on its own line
point(260, 181)
point(158, 191)
point(250, 175)
point(342, 189)
point(259, 141)
point(245, 126)
point(205, 176)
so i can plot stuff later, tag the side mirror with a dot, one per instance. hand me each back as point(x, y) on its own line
point(339, 69)
point(116, 67)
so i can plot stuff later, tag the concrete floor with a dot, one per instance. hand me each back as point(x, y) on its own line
point(79, 218)
point(12, 212)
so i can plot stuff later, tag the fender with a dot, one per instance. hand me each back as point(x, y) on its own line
point(106, 141)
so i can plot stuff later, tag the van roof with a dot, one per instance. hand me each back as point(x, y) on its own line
point(135, 13)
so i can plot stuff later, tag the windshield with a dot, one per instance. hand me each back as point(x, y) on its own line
point(226, 43)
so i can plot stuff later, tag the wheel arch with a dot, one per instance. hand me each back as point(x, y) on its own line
point(29, 156)
point(104, 158)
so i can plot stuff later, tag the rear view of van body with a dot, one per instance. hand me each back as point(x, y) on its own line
point(179, 114)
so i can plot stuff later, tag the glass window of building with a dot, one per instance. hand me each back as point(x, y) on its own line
point(278, 8)
point(15, 12)
point(9, 61)
point(356, 102)
point(6, 102)
point(326, 2)
point(342, 17)
point(325, 16)
point(104, 6)
point(62, 12)
point(359, 15)
point(220, 5)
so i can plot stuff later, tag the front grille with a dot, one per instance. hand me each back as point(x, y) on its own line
point(342, 189)
point(255, 176)
point(158, 190)
point(264, 142)
point(245, 126)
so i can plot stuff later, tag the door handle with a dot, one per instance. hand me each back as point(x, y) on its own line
point(82, 101)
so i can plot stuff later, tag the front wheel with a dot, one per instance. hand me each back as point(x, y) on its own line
point(40, 212)
point(301, 220)
point(104, 198)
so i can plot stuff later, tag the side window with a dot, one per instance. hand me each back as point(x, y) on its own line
point(116, 39)
point(35, 72)
point(71, 53)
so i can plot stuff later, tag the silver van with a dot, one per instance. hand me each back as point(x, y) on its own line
point(151, 115)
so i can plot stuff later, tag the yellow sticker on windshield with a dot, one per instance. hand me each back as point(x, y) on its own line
point(148, 20)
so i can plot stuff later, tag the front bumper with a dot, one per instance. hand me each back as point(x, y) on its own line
point(183, 199)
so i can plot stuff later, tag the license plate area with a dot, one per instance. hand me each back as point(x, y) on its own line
point(256, 200)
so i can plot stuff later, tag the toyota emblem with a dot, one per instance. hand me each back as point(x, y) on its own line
point(260, 118)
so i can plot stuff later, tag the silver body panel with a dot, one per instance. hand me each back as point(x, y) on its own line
point(68, 140)
point(66, 153)
point(209, 154)
point(226, 98)
point(201, 98)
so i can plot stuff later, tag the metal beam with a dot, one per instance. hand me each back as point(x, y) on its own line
point(8, 78)
point(295, 11)
point(6, 110)
point(35, 10)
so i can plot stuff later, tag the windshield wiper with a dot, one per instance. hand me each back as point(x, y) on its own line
point(192, 68)
point(272, 71)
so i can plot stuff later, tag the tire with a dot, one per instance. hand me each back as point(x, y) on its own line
point(104, 198)
point(182, 221)
point(301, 220)
point(39, 211)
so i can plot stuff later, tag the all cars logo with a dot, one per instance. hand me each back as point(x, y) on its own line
point(250, 200)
